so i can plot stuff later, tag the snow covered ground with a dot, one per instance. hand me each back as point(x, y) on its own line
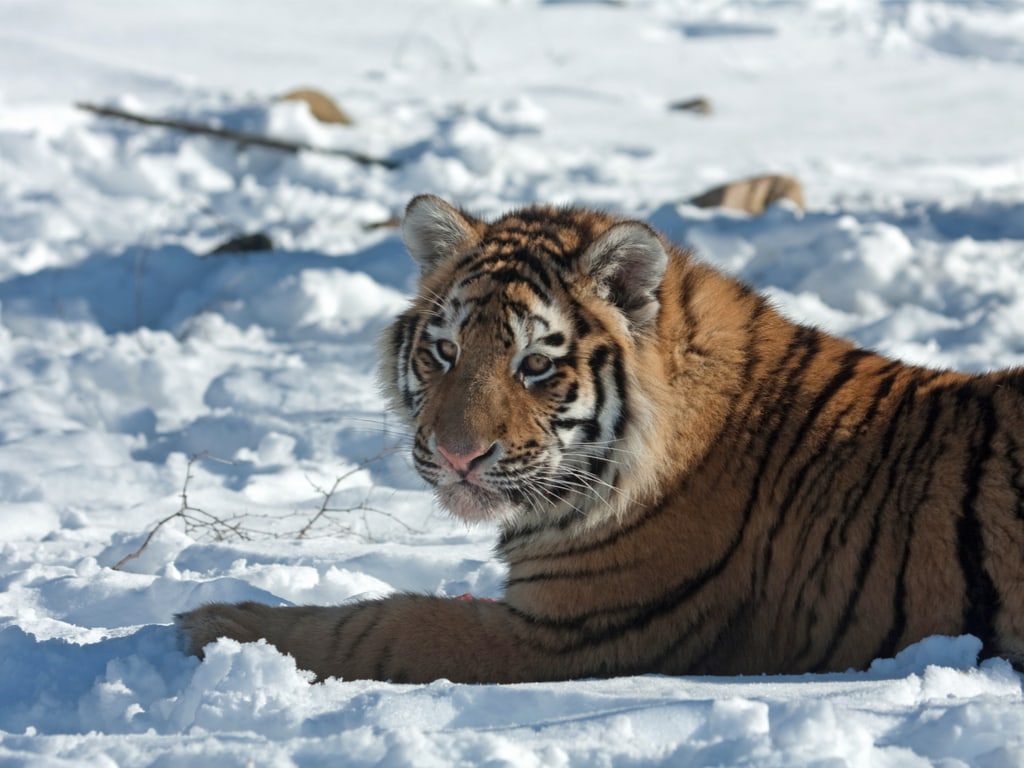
point(125, 352)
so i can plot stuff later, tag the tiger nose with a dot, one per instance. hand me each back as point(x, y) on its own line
point(464, 463)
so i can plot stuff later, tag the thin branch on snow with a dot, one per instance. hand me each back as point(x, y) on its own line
point(198, 520)
point(193, 517)
point(326, 510)
point(244, 138)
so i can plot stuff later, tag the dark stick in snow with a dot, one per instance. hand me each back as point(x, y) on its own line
point(241, 137)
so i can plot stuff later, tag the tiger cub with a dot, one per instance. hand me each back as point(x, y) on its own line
point(686, 482)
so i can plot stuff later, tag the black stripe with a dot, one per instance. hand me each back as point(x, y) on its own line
point(777, 405)
point(400, 677)
point(517, 262)
point(580, 325)
point(703, 663)
point(473, 260)
point(407, 397)
point(570, 395)
point(620, 384)
point(824, 486)
point(890, 644)
point(847, 367)
point(524, 311)
point(738, 416)
point(403, 335)
point(596, 362)
point(540, 268)
point(510, 275)
point(637, 617)
point(597, 359)
point(371, 625)
point(864, 563)
point(776, 392)
point(571, 423)
point(403, 326)
point(894, 486)
point(470, 318)
point(332, 649)
point(380, 668)
point(852, 512)
point(923, 468)
point(687, 291)
point(505, 332)
point(829, 491)
point(577, 636)
point(1013, 454)
point(829, 468)
point(852, 505)
point(617, 532)
point(561, 364)
point(982, 596)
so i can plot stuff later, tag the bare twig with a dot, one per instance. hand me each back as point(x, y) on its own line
point(326, 509)
point(323, 507)
point(149, 537)
point(195, 519)
point(242, 137)
point(183, 512)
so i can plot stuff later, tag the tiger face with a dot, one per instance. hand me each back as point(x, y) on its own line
point(510, 366)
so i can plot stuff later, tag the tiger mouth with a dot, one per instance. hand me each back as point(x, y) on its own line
point(473, 503)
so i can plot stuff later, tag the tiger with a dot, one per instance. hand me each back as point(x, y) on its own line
point(684, 481)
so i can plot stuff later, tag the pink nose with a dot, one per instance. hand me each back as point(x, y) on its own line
point(464, 462)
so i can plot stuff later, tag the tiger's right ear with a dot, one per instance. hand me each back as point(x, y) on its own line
point(432, 230)
point(628, 264)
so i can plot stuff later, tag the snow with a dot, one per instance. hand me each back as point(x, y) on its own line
point(134, 367)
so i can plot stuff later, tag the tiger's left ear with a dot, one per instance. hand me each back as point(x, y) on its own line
point(628, 263)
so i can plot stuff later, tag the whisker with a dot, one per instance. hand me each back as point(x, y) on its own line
point(588, 456)
point(585, 480)
point(581, 485)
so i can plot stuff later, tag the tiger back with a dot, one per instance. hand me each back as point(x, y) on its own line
point(685, 481)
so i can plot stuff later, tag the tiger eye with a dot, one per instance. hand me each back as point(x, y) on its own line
point(447, 349)
point(535, 365)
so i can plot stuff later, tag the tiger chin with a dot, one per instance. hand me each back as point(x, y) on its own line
point(686, 482)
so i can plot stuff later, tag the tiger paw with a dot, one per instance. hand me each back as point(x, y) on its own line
point(199, 627)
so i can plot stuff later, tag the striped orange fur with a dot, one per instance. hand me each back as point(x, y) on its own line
point(687, 482)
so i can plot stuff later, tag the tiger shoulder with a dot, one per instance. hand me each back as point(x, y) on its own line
point(685, 481)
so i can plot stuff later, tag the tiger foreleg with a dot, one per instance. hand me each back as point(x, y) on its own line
point(404, 638)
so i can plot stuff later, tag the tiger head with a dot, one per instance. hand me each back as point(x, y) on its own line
point(516, 364)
